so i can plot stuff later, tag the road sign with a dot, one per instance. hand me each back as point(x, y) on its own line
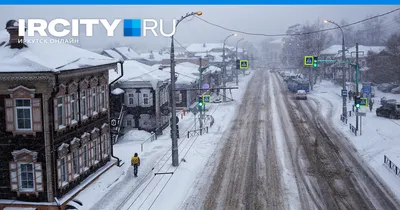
point(364, 102)
point(308, 60)
point(244, 64)
point(206, 99)
point(344, 93)
point(114, 122)
point(366, 90)
point(206, 86)
point(361, 114)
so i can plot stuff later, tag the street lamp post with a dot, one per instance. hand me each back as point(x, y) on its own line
point(224, 66)
point(343, 67)
point(236, 56)
point(175, 157)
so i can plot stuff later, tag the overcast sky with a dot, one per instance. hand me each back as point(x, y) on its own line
point(257, 19)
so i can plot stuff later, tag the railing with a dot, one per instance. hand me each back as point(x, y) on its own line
point(197, 132)
point(391, 165)
point(353, 129)
point(151, 138)
point(118, 127)
point(343, 119)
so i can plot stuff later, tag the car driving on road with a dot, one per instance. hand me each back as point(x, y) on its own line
point(301, 94)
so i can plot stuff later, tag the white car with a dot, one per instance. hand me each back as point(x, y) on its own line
point(301, 94)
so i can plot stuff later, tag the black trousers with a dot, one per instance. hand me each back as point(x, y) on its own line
point(135, 169)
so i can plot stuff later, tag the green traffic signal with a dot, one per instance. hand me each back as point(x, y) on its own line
point(358, 105)
point(200, 104)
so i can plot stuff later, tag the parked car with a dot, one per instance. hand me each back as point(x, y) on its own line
point(390, 110)
point(301, 94)
point(395, 90)
point(386, 87)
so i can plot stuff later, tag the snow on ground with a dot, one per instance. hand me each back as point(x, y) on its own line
point(118, 184)
point(380, 136)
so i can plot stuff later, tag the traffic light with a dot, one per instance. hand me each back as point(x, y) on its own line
point(315, 64)
point(237, 64)
point(357, 101)
point(200, 102)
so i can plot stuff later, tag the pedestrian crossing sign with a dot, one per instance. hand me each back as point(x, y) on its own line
point(308, 60)
point(206, 99)
point(244, 64)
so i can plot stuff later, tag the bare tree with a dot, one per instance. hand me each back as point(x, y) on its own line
point(372, 32)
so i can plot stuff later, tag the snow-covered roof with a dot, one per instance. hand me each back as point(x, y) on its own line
point(136, 71)
point(156, 56)
point(216, 55)
point(332, 50)
point(365, 49)
point(114, 54)
point(127, 52)
point(117, 91)
point(187, 72)
point(277, 41)
point(39, 56)
point(19, 208)
point(195, 48)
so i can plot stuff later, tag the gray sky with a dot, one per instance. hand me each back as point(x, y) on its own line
point(257, 19)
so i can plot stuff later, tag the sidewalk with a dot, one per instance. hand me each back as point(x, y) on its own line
point(380, 136)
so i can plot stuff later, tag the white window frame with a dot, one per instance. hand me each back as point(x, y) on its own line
point(74, 108)
point(131, 96)
point(95, 151)
point(84, 103)
point(85, 156)
point(104, 146)
point(60, 123)
point(178, 97)
point(146, 97)
point(23, 107)
point(103, 97)
point(94, 100)
point(21, 189)
point(63, 170)
point(75, 165)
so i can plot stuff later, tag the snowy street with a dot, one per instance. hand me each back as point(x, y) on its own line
point(319, 170)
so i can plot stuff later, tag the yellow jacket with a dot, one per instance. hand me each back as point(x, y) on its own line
point(135, 161)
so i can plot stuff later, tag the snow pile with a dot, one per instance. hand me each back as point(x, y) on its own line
point(46, 56)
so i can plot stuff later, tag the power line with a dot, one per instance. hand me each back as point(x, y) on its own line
point(297, 34)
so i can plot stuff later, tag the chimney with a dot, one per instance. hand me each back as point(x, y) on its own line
point(15, 41)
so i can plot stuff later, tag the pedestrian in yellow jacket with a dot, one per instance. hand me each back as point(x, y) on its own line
point(135, 162)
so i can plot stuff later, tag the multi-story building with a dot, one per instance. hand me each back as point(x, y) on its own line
point(54, 118)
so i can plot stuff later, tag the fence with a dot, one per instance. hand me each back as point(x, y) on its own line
point(353, 129)
point(151, 138)
point(343, 119)
point(197, 132)
point(391, 165)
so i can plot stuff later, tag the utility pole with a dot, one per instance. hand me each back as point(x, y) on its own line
point(200, 95)
point(357, 69)
point(223, 74)
point(175, 156)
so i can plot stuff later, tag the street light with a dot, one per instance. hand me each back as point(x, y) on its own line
point(343, 69)
point(236, 55)
point(224, 66)
point(175, 157)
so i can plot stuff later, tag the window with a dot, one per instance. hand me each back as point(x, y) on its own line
point(85, 156)
point(63, 170)
point(94, 100)
point(75, 162)
point(178, 97)
point(130, 97)
point(60, 111)
point(26, 176)
point(23, 110)
point(103, 98)
point(83, 110)
point(95, 150)
point(74, 108)
point(145, 98)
